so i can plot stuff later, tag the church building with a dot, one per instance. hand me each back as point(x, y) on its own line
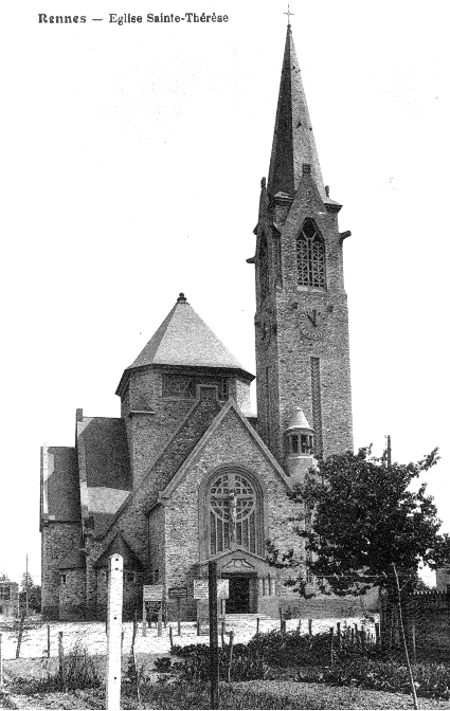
point(186, 474)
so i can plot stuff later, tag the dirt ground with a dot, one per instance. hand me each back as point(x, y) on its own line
point(92, 635)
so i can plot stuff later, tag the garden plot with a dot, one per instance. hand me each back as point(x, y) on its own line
point(92, 635)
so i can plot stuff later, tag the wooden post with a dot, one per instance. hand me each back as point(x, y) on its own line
point(160, 621)
point(405, 644)
point(114, 659)
point(144, 619)
point(19, 637)
point(171, 637)
point(27, 604)
point(377, 634)
point(133, 637)
point(179, 615)
point(199, 625)
point(339, 639)
point(310, 627)
point(299, 626)
point(1, 663)
point(257, 625)
point(230, 656)
point(48, 641)
point(62, 666)
point(331, 645)
point(222, 633)
point(356, 637)
point(213, 640)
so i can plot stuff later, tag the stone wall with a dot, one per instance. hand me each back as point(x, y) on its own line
point(72, 595)
point(285, 351)
point(58, 541)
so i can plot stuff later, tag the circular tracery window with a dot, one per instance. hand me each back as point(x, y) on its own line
point(232, 513)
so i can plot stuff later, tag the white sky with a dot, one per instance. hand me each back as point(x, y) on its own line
point(131, 164)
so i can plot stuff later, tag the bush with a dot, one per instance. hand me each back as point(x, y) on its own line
point(431, 679)
point(79, 673)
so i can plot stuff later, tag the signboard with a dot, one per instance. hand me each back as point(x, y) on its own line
point(223, 589)
point(153, 593)
point(201, 589)
point(175, 593)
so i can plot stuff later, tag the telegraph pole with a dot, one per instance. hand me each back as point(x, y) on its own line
point(388, 450)
point(213, 641)
point(26, 587)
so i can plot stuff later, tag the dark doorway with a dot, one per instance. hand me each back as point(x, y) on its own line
point(239, 598)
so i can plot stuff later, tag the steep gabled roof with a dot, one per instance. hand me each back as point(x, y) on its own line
point(230, 406)
point(122, 547)
point(177, 449)
point(184, 339)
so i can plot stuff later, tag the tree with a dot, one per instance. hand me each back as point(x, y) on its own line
point(34, 593)
point(360, 515)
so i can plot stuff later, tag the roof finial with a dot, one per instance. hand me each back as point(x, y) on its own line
point(288, 13)
point(181, 299)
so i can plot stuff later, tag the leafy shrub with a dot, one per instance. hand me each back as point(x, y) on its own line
point(79, 673)
point(431, 679)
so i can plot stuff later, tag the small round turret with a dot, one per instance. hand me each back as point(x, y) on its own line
point(299, 445)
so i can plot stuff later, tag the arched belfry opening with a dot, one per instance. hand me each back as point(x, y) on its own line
point(311, 256)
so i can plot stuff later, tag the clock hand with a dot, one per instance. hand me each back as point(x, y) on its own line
point(313, 318)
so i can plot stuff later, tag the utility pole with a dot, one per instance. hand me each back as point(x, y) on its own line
point(388, 450)
point(26, 587)
point(213, 640)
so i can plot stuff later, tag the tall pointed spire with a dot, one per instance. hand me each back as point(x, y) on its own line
point(293, 141)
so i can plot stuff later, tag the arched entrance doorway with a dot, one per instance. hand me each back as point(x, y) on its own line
point(242, 593)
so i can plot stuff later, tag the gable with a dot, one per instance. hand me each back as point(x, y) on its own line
point(230, 440)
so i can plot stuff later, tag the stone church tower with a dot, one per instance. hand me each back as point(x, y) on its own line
point(187, 474)
point(301, 322)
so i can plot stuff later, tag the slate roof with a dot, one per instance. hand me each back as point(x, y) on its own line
point(293, 141)
point(121, 546)
point(184, 339)
point(63, 487)
point(105, 449)
point(72, 560)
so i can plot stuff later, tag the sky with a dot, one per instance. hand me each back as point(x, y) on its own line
point(131, 164)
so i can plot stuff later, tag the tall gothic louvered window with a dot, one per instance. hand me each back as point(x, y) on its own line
point(232, 513)
point(311, 257)
point(264, 267)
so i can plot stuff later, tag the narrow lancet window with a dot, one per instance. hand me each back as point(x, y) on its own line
point(311, 257)
point(264, 267)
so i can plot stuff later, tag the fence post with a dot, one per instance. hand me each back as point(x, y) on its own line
point(213, 641)
point(257, 625)
point(62, 665)
point(1, 664)
point(377, 634)
point(48, 641)
point(160, 620)
point(114, 659)
point(338, 625)
point(171, 637)
point(19, 638)
point(310, 627)
point(331, 645)
point(230, 656)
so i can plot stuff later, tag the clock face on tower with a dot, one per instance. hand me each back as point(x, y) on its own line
point(312, 324)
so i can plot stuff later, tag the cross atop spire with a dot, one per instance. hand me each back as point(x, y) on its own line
point(288, 13)
point(293, 142)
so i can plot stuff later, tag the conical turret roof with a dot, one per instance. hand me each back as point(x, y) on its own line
point(293, 142)
point(184, 339)
point(298, 421)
